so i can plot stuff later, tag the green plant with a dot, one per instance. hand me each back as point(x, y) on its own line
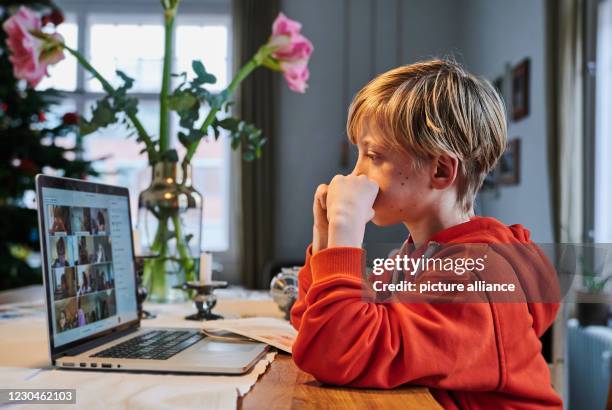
point(592, 280)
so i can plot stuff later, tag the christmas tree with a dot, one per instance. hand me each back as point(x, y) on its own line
point(29, 144)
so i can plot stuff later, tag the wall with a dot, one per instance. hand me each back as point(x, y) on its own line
point(496, 32)
point(311, 126)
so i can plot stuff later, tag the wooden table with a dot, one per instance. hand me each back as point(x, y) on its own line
point(284, 386)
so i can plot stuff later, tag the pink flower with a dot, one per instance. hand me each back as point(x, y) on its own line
point(296, 74)
point(291, 50)
point(298, 48)
point(30, 54)
point(284, 26)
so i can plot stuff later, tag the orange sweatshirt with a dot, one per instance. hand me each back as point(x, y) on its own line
point(470, 355)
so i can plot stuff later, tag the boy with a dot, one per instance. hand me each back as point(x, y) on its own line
point(427, 134)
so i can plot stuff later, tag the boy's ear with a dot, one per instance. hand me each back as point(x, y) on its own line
point(445, 168)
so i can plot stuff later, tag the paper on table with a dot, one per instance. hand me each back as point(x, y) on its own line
point(275, 332)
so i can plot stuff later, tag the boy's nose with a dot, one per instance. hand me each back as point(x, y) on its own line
point(357, 170)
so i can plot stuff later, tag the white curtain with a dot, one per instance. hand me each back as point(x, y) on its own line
point(603, 126)
point(570, 121)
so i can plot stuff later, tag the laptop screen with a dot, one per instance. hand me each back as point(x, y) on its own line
point(90, 262)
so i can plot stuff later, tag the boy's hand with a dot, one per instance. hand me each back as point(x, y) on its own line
point(349, 208)
point(321, 225)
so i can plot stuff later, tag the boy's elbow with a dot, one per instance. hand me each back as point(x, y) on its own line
point(321, 368)
point(295, 321)
point(322, 365)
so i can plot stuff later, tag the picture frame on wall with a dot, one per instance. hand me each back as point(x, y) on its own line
point(520, 90)
point(508, 170)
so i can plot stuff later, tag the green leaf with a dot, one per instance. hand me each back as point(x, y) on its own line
point(128, 81)
point(184, 139)
point(202, 76)
point(182, 101)
point(229, 123)
point(228, 105)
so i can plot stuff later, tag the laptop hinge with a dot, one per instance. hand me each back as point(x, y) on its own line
point(98, 342)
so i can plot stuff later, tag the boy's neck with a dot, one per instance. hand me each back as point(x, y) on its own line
point(422, 230)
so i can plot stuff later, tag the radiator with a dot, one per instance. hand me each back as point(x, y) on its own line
point(590, 366)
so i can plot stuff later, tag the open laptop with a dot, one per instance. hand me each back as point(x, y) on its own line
point(90, 291)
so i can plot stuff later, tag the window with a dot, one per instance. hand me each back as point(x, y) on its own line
point(603, 126)
point(132, 41)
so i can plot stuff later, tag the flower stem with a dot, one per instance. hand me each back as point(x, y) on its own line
point(183, 250)
point(244, 72)
point(142, 133)
point(164, 112)
point(155, 269)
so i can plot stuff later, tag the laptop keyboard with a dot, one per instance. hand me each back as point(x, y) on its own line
point(153, 345)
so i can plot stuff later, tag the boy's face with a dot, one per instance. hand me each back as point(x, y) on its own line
point(405, 192)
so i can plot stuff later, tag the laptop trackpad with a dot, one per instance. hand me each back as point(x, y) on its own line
point(221, 355)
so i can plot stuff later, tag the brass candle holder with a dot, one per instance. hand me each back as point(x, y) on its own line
point(204, 299)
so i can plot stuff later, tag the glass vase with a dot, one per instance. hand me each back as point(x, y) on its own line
point(170, 226)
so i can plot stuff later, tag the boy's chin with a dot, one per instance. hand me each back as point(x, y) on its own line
point(382, 221)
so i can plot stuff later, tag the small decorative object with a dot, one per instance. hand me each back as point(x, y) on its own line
point(205, 299)
point(284, 289)
point(509, 167)
point(170, 208)
point(520, 90)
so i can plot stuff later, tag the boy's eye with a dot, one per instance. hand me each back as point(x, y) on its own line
point(373, 156)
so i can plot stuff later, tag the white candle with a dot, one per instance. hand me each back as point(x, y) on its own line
point(137, 245)
point(206, 261)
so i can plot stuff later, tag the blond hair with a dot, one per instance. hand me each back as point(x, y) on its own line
point(434, 107)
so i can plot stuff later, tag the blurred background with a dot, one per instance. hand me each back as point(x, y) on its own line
point(550, 60)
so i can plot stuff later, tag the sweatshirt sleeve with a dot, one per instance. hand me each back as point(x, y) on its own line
point(304, 282)
point(344, 339)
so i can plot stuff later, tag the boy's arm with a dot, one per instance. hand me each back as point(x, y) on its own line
point(319, 242)
point(344, 339)
point(304, 282)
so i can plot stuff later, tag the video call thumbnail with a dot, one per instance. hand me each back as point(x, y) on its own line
point(64, 283)
point(66, 220)
point(94, 278)
point(59, 217)
point(93, 249)
point(62, 251)
point(82, 310)
point(99, 221)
